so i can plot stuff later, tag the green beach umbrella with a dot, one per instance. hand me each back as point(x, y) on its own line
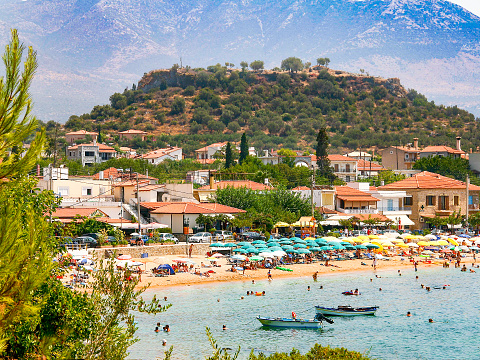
point(348, 247)
point(275, 248)
point(315, 249)
point(296, 246)
point(258, 242)
point(325, 248)
point(230, 245)
point(285, 242)
point(291, 251)
point(242, 243)
point(294, 239)
point(361, 246)
point(216, 245)
point(284, 247)
point(282, 239)
point(273, 243)
point(303, 251)
point(372, 246)
point(256, 258)
point(300, 241)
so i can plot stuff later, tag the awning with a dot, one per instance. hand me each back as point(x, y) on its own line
point(404, 220)
point(130, 226)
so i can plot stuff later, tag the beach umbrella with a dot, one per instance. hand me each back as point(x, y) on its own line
point(211, 258)
point(124, 257)
point(464, 248)
point(338, 247)
point(445, 251)
point(256, 258)
point(371, 246)
point(238, 257)
point(315, 249)
point(276, 248)
point(279, 253)
point(240, 251)
point(216, 245)
point(467, 242)
point(296, 246)
point(243, 243)
point(258, 242)
point(217, 255)
point(285, 247)
point(373, 236)
point(344, 243)
point(430, 237)
point(310, 242)
point(309, 238)
point(361, 247)
point(253, 251)
point(285, 242)
point(442, 242)
point(273, 243)
point(363, 237)
point(427, 252)
point(303, 251)
point(322, 239)
point(246, 247)
point(464, 236)
point(294, 238)
point(412, 245)
point(230, 245)
point(423, 243)
point(260, 245)
point(282, 239)
point(350, 240)
point(348, 247)
point(399, 245)
point(325, 248)
point(292, 251)
point(452, 241)
point(474, 248)
point(300, 241)
point(433, 243)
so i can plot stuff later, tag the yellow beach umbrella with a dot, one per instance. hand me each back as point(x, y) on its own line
point(452, 241)
point(442, 242)
point(396, 240)
point(309, 238)
point(420, 237)
point(373, 236)
point(402, 244)
point(434, 243)
point(281, 224)
point(410, 237)
point(387, 244)
point(350, 240)
point(363, 237)
point(423, 243)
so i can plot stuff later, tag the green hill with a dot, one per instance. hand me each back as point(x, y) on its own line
point(191, 107)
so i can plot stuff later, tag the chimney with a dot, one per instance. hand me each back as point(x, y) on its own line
point(415, 143)
point(458, 143)
point(94, 142)
point(471, 150)
point(100, 175)
point(211, 179)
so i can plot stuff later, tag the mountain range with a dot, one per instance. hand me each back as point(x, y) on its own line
point(89, 49)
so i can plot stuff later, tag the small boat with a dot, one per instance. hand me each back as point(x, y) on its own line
point(346, 310)
point(350, 293)
point(315, 323)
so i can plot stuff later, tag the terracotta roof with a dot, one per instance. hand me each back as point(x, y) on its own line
point(324, 210)
point(205, 148)
point(428, 180)
point(406, 149)
point(132, 183)
point(159, 153)
point(301, 188)
point(113, 172)
point(363, 165)
point(347, 193)
point(238, 184)
point(113, 221)
point(441, 149)
point(101, 147)
point(133, 131)
point(82, 132)
point(207, 161)
point(336, 157)
point(70, 213)
point(150, 187)
point(381, 218)
point(193, 208)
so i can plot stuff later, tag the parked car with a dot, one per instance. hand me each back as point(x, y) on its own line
point(89, 241)
point(93, 235)
point(222, 235)
point(464, 231)
point(167, 236)
point(200, 237)
point(251, 236)
point(136, 239)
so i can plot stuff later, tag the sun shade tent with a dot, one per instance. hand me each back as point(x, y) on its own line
point(166, 267)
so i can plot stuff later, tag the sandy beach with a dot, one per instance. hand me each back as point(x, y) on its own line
point(223, 273)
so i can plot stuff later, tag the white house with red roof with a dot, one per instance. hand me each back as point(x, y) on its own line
point(74, 136)
point(89, 154)
point(155, 157)
point(205, 154)
point(176, 215)
point(344, 168)
point(323, 196)
point(354, 201)
point(368, 168)
point(132, 133)
point(444, 151)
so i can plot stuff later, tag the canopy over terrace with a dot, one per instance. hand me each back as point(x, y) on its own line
point(353, 201)
point(334, 220)
point(362, 219)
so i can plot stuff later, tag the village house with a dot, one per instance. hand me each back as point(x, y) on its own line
point(353, 201)
point(155, 157)
point(444, 151)
point(359, 155)
point(430, 195)
point(400, 157)
point(323, 196)
point(367, 169)
point(130, 134)
point(89, 154)
point(344, 168)
point(205, 155)
point(73, 137)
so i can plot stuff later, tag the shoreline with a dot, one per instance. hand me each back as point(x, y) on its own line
point(299, 271)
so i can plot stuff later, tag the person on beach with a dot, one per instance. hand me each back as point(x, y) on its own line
point(315, 276)
point(156, 329)
point(190, 249)
point(374, 263)
point(415, 263)
point(269, 275)
point(224, 327)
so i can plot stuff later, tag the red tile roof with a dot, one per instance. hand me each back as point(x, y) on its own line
point(428, 180)
point(336, 157)
point(82, 132)
point(378, 217)
point(441, 149)
point(133, 131)
point(193, 208)
point(363, 165)
point(205, 148)
point(101, 147)
point(132, 183)
point(238, 184)
point(107, 173)
point(207, 161)
point(158, 153)
point(300, 188)
point(347, 193)
point(70, 213)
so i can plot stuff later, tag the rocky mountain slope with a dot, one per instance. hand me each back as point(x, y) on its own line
point(91, 48)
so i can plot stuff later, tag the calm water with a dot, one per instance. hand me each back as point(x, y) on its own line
point(388, 335)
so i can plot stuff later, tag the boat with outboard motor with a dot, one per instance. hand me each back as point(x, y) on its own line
point(346, 310)
point(315, 323)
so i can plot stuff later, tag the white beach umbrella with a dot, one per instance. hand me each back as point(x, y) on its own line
point(412, 245)
point(278, 253)
point(430, 237)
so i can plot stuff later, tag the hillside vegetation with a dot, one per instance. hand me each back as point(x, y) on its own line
point(191, 107)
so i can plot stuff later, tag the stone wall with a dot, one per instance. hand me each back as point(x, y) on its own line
point(153, 250)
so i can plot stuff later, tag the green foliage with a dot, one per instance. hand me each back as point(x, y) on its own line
point(323, 61)
point(178, 106)
point(292, 64)
point(323, 162)
point(317, 352)
point(243, 149)
point(219, 353)
point(228, 156)
point(256, 65)
point(385, 177)
point(446, 166)
point(436, 221)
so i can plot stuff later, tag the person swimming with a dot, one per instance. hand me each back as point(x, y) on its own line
point(166, 328)
point(409, 313)
point(156, 329)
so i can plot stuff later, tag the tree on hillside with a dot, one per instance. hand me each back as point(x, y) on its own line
point(228, 156)
point(178, 106)
point(243, 149)
point(292, 64)
point(256, 65)
point(244, 65)
point(323, 61)
point(323, 162)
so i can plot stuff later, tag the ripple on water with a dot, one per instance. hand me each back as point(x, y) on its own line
point(389, 335)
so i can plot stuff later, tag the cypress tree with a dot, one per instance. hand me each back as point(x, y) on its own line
point(323, 162)
point(228, 156)
point(243, 149)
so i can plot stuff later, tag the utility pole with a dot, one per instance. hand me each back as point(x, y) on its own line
point(138, 208)
point(468, 198)
point(51, 183)
point(311, 195)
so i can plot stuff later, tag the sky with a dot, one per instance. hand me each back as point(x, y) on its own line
point(471, 5)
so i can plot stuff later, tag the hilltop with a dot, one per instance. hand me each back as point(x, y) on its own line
point(189, 107)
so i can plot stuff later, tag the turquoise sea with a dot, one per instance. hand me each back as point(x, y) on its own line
point(455, 333)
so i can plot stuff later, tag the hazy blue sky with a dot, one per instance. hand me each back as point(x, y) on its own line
point(471, 5)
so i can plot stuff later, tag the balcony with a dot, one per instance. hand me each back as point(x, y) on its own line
point(473, 207)
point(358, 211)
point(345, 171)
point(439, 212)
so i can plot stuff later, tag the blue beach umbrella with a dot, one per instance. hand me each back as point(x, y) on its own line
point(300, 241)
point(275, 248)
point(303, 251)
point(273, 243)
point(230, 245)
point(325, 248)
point(258, 242)
point(361, 247)
point(291, 251)
point(315, 249)
point(216, 245)
point(300, 246)
point(294, 239)
point(242, 243)
point(284, 247)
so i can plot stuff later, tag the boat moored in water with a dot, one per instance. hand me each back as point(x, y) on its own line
point(346, 310)
point(315, 323)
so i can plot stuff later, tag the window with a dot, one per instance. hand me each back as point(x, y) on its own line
point(347, 178)
point(389, 204)
point(335, 167)
point(89, 153)
point(408, 201)
point(470, 200)
point(406, 156)
point(443, 203)
point(391, 152)
point(430, 200)
point(63, 190)
point(347, 168)
point(86, 191)
point(455, 200)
